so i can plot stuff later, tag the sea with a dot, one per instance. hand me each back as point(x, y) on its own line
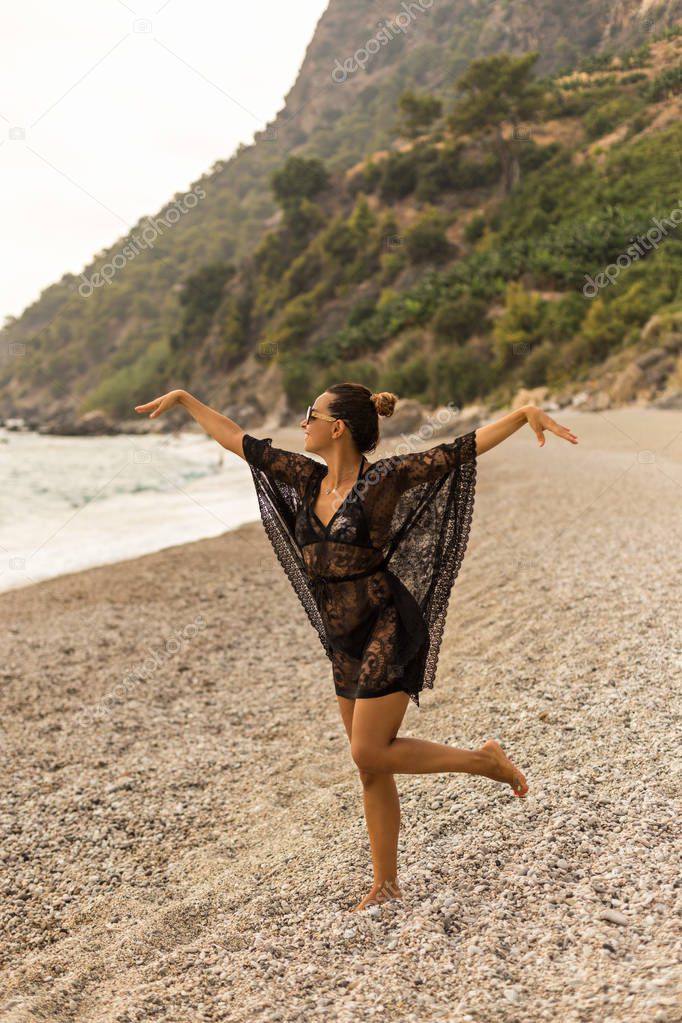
point(69, 503)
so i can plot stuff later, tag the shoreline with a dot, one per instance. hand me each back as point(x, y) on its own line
point(586, 397)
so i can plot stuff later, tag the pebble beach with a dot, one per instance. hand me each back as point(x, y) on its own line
point(182, 826)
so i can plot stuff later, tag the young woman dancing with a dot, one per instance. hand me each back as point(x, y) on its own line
point(372, 550)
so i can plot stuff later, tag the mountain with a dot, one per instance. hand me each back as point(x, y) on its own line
point(219, 301)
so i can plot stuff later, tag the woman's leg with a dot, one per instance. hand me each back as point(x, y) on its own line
point(375, 747)
point(382, 814)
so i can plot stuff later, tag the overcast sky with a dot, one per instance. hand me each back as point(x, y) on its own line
point(107, 108)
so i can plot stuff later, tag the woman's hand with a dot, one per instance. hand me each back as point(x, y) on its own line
point(540, 421)
point(162, 404)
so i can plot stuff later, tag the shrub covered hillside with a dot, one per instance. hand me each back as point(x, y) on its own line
point(520, 230)
point(462, 266)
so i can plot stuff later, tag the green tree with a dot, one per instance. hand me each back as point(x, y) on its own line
point(520, 326)
point(299, 178)
point(458, 318)
point(303, 220)
point(400, 173)
point(200, 297)
point(665, 85)
point(603, 329)
point(409, 380)
point(234, 328)
point(459, 375)
point(499, 92)
point(475, 229)
point(418, 111)
point(426, 241)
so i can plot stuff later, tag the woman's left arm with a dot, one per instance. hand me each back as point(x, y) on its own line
point(494, 433)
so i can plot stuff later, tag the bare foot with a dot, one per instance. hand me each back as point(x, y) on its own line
point(500, 768)
point(379, 894)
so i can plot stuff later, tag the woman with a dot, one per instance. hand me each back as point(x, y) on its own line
point(372, 551)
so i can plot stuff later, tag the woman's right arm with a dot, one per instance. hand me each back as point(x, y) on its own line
point(224, 430)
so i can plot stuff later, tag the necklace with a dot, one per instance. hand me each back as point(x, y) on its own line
point(332, 489)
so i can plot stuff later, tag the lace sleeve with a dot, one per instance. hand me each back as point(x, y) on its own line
point(417, 467)
point(277, 463)
point(280, 478)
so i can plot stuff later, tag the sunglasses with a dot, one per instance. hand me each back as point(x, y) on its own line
point(311, 413)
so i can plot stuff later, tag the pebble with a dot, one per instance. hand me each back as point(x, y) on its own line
point(614, 917)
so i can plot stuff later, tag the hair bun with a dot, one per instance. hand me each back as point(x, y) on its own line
point(384, 402)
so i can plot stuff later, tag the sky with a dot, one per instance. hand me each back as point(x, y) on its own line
point(108, 108)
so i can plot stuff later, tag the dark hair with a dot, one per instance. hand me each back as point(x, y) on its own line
point(360, 409)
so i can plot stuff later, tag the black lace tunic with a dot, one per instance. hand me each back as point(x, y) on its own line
point(376, 580)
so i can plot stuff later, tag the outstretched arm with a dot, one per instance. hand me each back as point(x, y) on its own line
point(494, 433)
point(222, 429)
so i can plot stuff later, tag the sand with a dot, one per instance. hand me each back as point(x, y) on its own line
point(185, 843)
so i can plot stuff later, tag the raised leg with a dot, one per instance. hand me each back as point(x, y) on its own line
point(376, 748)
point(372, 728)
